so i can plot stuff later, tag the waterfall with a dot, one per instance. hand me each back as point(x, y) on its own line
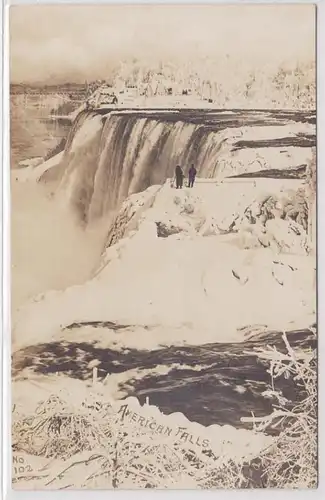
point(109, 157)
point(79, 165)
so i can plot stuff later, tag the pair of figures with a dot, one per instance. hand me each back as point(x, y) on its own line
point(180, 176)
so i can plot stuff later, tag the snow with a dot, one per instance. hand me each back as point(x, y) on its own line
point(186, 281)
point(32, 162)
point(33, 172)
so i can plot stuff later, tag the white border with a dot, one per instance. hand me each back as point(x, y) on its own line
point(5, 254)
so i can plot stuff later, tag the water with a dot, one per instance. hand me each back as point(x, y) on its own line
point(210, 384)
point(32, 132)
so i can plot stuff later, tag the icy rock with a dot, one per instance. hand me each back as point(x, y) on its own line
point(289, 237)
point(32, 162)
point(188, 209)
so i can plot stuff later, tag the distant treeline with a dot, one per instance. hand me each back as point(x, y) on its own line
point(21, 88)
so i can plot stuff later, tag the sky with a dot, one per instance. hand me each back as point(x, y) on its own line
point(74, 43)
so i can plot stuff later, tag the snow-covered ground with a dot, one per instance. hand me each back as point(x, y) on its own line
point(196, 279)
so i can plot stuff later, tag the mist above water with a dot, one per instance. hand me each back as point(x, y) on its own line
point(48, 249)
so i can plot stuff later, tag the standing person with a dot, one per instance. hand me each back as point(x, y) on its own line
point(179, 177)
point(191, 176)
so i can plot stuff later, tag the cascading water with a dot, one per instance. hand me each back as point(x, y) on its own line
point(109, 157)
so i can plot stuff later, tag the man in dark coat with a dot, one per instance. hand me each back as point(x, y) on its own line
point(179, 177)
point(191, 176)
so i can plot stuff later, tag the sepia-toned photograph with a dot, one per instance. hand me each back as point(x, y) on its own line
point(163, 246)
